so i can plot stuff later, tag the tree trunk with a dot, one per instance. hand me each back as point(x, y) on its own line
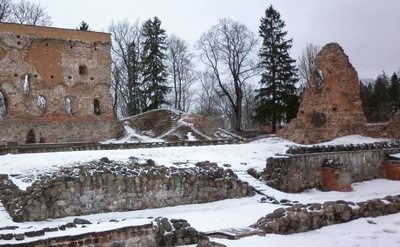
point(238, 109)
point(238, 120)
point(273, 130)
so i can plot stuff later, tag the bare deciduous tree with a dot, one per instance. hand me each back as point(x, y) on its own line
point(227, 49)
point(180, 68)
point(5, 10)
point(249, 95)
point(306, 62)
point(126, 49)
point(29, 13)
point(209, 103)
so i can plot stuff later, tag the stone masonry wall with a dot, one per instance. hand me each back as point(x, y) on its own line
point(331, 103)
point(160, 232)
point(52, 75)
point(138, 236)
point(389, 129)
point(302, 171)
point(108, 187)
point(302, 218)
point(54, 131)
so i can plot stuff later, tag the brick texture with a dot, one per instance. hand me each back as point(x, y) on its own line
point(331, 104)
point(70, 69)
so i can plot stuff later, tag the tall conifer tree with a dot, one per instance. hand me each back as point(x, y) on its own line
point(153, 62)
point(394, 93)
point(277, 99)
point(381, 99)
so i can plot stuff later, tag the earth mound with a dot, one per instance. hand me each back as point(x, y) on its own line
point(173, 125)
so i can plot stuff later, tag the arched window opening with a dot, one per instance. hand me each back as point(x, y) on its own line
point(3, 106)
point(83, 70)
point(96, 107)
point(320, 80)
point(41, 102)
point(30, 136)
point(26, 85)
point(68, 106)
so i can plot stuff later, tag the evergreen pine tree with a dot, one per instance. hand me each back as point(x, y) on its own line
point(154, 69)
point(394, 93)
point(277, 98)
point(380, 99)
point(134, 86)
point(366, 92)
point(84, 26)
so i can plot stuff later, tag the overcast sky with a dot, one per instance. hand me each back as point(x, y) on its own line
point(368, 30)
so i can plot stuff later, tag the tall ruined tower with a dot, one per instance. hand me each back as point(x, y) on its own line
point(56, 83)
point(331, 104)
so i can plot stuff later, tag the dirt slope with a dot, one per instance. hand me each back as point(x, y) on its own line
point(177, 126)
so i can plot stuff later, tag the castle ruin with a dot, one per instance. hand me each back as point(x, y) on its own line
point(331, 104)
point(55, 85)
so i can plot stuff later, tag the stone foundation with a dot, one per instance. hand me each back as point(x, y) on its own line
point(140, 236)
point(176, 232)
point(106, 186)
point(302, 218)
point(90, 130)
point(300, 169)
point(160, 232)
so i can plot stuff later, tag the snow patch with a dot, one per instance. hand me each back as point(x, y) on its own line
point(131, 136)
point(26, 85)
point(41, 103)
point(191, 137)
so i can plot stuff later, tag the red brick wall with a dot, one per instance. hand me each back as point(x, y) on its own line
point(51, 58)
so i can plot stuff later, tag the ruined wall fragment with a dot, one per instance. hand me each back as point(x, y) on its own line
point(331, 103)
point(41, 70)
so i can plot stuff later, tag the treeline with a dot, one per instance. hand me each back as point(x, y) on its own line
point(152, 70)
point(380, 97)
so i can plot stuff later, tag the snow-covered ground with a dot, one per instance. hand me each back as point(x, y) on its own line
point(25, 168)
point(132, 136)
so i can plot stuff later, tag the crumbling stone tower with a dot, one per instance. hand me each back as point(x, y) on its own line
point(56, 83)
point(331, 104)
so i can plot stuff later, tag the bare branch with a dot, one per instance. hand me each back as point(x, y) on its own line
point(5, 10)
point(180, 68)
point(306, 61)
point(29, 13)
point(228, 49)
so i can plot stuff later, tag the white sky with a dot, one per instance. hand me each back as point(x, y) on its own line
point(368, 31)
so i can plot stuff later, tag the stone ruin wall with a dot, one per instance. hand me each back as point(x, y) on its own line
point(140, 236)
point(160, 231)
point(70, 69)
point(331, 103)
point(299, 170)
point(388, 130)
point(75, 130)
point(312, 216)
point(106, 187)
